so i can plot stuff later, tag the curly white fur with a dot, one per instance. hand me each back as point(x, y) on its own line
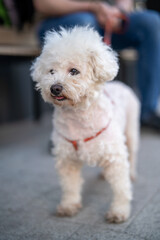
point(89, 104)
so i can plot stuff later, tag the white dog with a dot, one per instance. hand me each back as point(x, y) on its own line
point(94, 122)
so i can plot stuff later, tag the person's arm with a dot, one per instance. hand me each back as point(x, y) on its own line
point(103, 11)
point(126, 5)
point(63, 7)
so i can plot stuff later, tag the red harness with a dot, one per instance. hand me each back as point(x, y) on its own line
point(75, 142)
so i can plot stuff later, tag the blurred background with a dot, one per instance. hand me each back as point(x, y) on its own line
point(18, 48)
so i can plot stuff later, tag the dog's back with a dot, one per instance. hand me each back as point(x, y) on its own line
point(127, 113)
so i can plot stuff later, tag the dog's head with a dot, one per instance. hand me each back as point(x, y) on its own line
point(73, 66)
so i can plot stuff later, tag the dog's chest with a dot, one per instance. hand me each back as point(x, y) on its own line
point(79, 125)
point(82, 124)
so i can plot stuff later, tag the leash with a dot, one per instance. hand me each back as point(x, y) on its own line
point(108, 31)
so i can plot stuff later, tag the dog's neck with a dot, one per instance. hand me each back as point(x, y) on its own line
point(79, 123)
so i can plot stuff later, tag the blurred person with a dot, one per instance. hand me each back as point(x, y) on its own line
point(142, 33)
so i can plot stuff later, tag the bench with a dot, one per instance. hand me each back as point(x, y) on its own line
point(18, 43)
point(24, 46)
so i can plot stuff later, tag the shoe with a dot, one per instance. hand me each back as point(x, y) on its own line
point(152, 122)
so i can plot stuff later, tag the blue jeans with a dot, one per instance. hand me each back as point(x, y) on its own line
point(143, 34)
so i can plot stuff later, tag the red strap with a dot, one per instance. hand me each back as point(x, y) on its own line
point(97, 134)
point(107, 34)
point(75, 142)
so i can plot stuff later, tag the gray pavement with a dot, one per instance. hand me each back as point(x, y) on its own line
point(30, 192)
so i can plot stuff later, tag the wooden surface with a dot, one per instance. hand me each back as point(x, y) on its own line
point(19, 43)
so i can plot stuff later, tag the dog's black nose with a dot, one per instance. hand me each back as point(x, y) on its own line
point(56, 89)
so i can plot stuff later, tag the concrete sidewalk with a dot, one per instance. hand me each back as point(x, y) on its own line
point(30, 192)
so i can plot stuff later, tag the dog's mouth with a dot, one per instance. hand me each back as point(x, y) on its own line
point(59, 98)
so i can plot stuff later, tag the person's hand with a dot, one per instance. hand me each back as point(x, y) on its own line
point(108, 16)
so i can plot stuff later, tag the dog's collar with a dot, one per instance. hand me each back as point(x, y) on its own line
point(75, 142)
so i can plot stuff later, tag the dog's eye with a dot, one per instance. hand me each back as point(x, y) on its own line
point(74, 71)
point(51, 71)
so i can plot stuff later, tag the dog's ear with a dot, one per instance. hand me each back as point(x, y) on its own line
point(36, 70)
point(104, 64)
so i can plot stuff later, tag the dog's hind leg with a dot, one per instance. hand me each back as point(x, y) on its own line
point(71, 183)
point(132, 135)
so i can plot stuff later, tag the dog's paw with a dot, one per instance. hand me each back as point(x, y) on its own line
point(68, 211)
point(114, 217)
point(118, 215)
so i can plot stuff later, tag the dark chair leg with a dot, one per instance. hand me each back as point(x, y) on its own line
point(37, 111)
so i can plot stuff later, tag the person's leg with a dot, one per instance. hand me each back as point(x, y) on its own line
point(143, 33)
point(68, 21)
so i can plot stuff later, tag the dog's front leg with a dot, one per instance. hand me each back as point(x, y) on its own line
point(117, 174)
point(71, 182)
